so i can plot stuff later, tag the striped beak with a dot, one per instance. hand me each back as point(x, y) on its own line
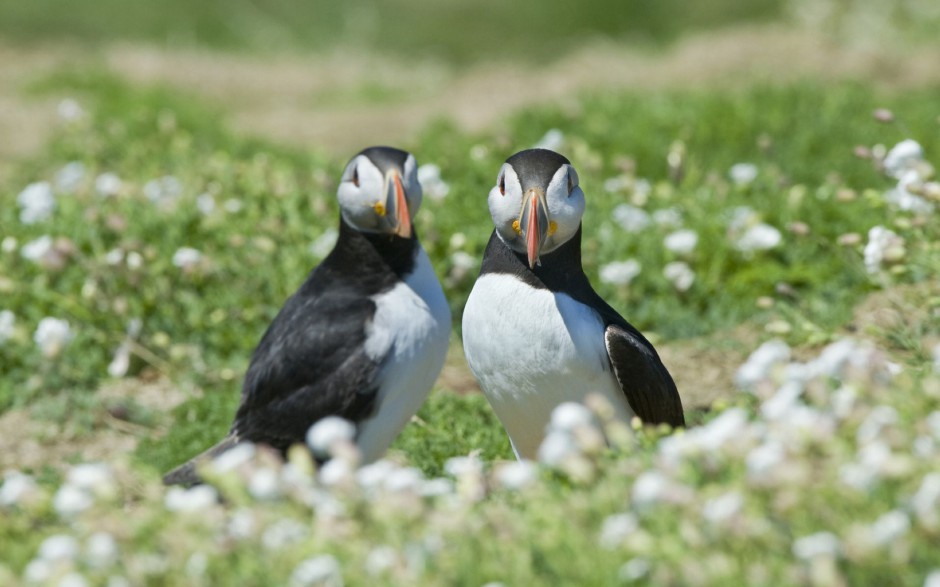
point(397, 216)
point(533, 223)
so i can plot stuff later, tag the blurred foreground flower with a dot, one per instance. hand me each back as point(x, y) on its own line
point(52, 335)
point(108, 184)
point(70, 177)
point(163, 190)
point(884, 247)
point(904, 156)
point(743, 173)
point(680, 274)
point(681, 242)
point(749, 234)
point(620, 272)
point(429, 175)
point(186, 257)
point(36, 202)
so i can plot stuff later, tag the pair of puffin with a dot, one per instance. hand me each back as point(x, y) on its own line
point(365, 336)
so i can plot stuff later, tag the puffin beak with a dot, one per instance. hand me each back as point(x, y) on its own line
point(534, 223)
point(396, 207)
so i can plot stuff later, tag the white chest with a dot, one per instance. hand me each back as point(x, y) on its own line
point(531, 349)
point(410, 333)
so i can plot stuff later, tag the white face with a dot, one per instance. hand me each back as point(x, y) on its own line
point(541, 218)
point(373, 201)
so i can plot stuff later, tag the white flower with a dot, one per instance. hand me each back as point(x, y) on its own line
point(743, 173)
point(233, 205)
point(373, 475)
point(620, 272)
point(36, 202)
point(35, 250)
point(634, 569)
point(234, 457)
point(380, 559)
point(902, 198)
point(70, 177)
point(933, 579)
point(326, 433)
point(631, 218)
point(114, 257)
point(617, 528)
point(429, 175)
point(760, 363)
point(323, 570)
point(15, 487)
point(902, 157)
point(335, 472)
point(468, 466)
point(186, 257)
point(108, 184)
point(681, 242)
point(205, 203)
point(72, 579)
point(567, 416)
point(102, 549)
point(121, 361)
point(926, 501)
point(58, 547)
point(8, 322)
point(890, 527)
point(764, 459)
point(819, 544)
point(616, 184)
point(936, 357)
point(463, 261)
point(884, 245)
point(649, 487)
point(194, 499)
point(283, 533)
point(404, 479)
point(726, 427)
point(8, 245)
point(322, 246)
point(680, 274)
point(134, 260)
point(436, 487)
point(741, 218)
point(723, 507)
point(264, 484)
point(163, 190)
point(877, 420)
point(516, 475)
point(760, 237)
point(69, 110)
point(668, 218)
point(96, 477)
point(553, 140)
point(556, 447)
point(52, 335)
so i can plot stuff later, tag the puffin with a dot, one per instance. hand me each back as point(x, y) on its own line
point(535, 333)
point(363, 338)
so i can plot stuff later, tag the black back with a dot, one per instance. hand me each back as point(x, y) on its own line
point(311, 361)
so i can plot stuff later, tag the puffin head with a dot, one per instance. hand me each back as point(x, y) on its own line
point(536, 203)
point(379, 191)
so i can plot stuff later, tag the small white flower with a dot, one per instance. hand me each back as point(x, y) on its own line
point(668, 218)
point(324, 243)
point(723, 507)
point(52, 335)
point(634, 569)
point(436, 487)
point(936, 358)
point(553, 140)
point(429, 175)
point(760, 363)
point(680, 274)
point(760, 237)
point(15, 487)
point(233, 205)
point(884, 246)
point(134, 260)
point(114, 257)
point(723, 429)
point(108, 184)
point(163, 190)
point(234, 458)
point(91, 476)
point(567, 416)
point(58, 547)
point(463, 261)
point(101, 549)
point(380, 559)
point(404, 479)
point(630, 218)
point(877, 420)
point(8, 322)
point(121, 361)
point(617, 528)
point(37, 249)
point(327, 432)
point(820, 544)
point(902, 198)
point(37, 571)
point(468, 466)
point(194, 499)
point(556, 447)
point(9, 244)
point(649, 488)
point(926, 501)
point(335, 472)
point(890, 527)
point(205, 203)
point(73, 579)
point(264, 484)
point(323, 570)
point(70, 177)
point(36, 202)
point(616, 184)
point(283, 532)
point(620, 272)
point(373, 475)
point(764, 459)
point(516, 475)
point(742, 173)
point(681, 242)
point(933, 579)
point(69, 110)
point(902, 157)
point(186, 257)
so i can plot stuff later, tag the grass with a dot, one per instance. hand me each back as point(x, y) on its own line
point(200, 322)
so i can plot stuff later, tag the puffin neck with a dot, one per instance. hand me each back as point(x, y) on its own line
point(390, 250)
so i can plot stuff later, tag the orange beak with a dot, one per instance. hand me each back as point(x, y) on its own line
point(397, 206)
point(534, 223)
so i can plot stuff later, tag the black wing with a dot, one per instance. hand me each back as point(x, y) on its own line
point(310, 363)
point(644, 379)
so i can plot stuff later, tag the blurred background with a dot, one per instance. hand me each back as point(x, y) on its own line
point(332, 75)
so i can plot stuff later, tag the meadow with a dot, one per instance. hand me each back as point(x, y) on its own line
point(787, 228)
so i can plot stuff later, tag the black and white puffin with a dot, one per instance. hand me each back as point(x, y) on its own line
point(365, 336)
point(535, 332)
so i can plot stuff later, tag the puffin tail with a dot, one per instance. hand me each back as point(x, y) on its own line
point(186, 473)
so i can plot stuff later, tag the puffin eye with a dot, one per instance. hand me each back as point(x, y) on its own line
point(502, 185)
point(355, 177)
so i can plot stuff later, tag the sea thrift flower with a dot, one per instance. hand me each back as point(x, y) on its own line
point(760, 237)
point(760, 363)
point(16, 486)
point(327, 433)
point(904, 156)
point(516, 475)
point(630, 218)
point(681, 242)
point(620, 272)
point(743, 173)
point(429, 176)
point(108, 184)
point(36, 202)
point(680, 274)
point(322, 571)
point(70, 177)
point(668, 218)
point(163, 190)
point(193, 499)
point(617, 528)
point(186, 257)
point(820, 544)
point(884, 246)
point(52, 335)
